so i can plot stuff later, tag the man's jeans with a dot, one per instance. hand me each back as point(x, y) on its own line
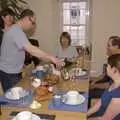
point(9, 80)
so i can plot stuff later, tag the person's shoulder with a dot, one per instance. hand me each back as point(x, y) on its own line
point(72, 47)
point(116, 93)
point(106, 94)
point(15, 29)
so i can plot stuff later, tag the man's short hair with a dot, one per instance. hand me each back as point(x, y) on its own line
point(27, 12)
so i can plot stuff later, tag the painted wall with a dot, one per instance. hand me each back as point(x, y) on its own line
point(47, 23)
point(105, 22)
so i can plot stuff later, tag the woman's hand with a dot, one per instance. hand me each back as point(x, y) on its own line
point(94, 109)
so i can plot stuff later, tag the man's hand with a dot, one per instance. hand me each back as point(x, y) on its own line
point(58, 62)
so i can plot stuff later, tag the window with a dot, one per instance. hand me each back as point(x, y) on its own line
point(75, 16)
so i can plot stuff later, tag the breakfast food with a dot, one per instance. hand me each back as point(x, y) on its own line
point(35, 105)
point(51, 79)
point(42, 93)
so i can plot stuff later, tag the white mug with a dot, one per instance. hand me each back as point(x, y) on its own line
point(72, 96)
point(16, 92)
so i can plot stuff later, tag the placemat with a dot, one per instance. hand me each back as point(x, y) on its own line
point(23, 102)
point(76, 108)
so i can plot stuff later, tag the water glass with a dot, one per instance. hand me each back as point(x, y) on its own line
point(57, 100)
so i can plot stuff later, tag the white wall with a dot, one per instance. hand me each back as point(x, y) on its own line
point(105, 22)
point(46, 32)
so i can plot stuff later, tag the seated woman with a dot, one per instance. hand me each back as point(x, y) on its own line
point(65, 49)
point(113, 44)
point(98, 86)
point(107, 108)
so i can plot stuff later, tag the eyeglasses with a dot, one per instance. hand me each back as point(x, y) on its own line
point(33, 22)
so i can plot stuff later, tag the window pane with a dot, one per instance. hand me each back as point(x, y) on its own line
point(73, 4)
point(74, 21)
point(82, 12)
point(74, 32)
point(66, 28)
point(74, 27)
point(66, 5)
point(66, 17)
point(82, 5)
point(73, 35)
point(75, 13)
point(82, 32)
point(82, 20)
point(80, 42)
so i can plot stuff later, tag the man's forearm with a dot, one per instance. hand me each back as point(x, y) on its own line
point(35, 51)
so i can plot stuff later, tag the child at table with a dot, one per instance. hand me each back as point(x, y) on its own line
point(107, 108)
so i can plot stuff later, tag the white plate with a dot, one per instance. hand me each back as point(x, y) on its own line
point(78, 72)
point(34, 117)
point(80, 100)
point(82, 73)
point(10, 96)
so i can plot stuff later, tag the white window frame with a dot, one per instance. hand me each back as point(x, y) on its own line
point(88, 18)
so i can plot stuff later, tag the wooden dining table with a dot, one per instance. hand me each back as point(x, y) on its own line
point(80, 85)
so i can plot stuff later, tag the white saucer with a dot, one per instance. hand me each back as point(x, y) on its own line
point(10, 96)
point(79, 101)
point(78, 72)
point(34, 117)
point(82, 73)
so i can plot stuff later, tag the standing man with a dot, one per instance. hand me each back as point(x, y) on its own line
point(13, 47)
